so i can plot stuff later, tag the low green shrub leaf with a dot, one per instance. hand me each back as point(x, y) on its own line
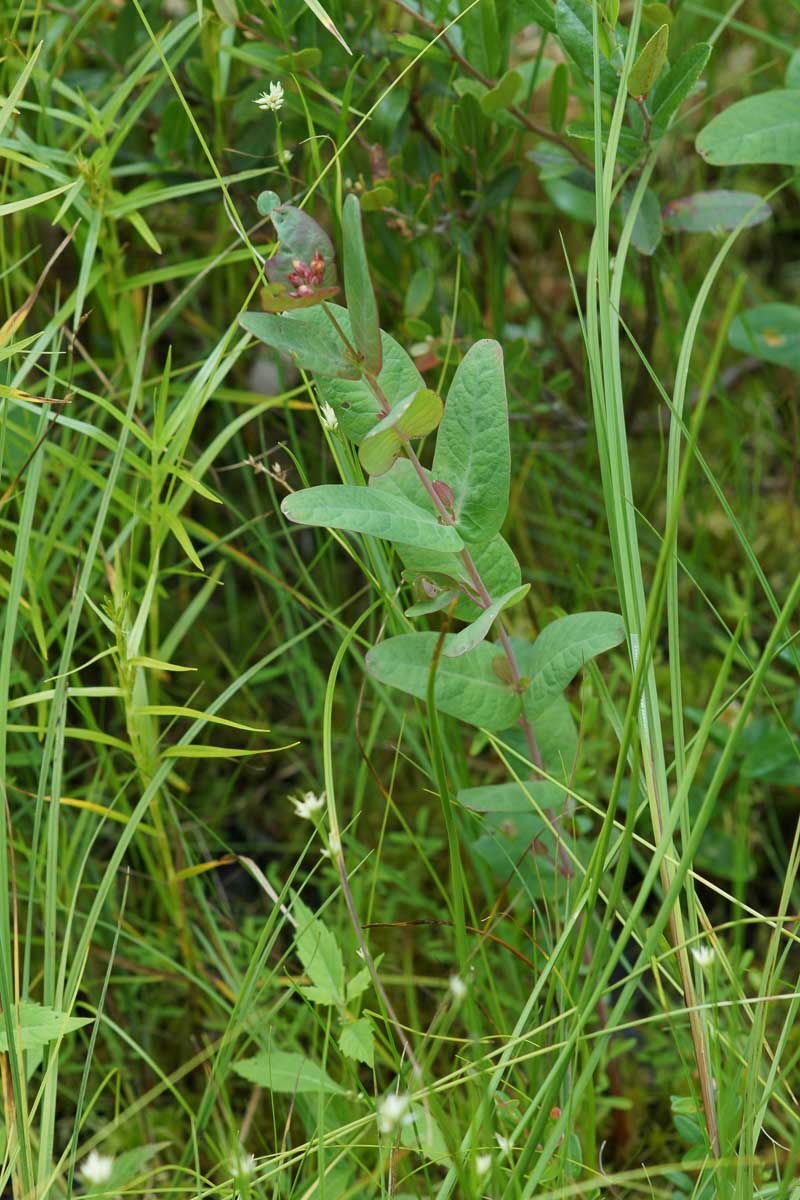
point(574, 27)
point(353, 401)
point(512, 797)
point(357, 1041)
point(674, 87)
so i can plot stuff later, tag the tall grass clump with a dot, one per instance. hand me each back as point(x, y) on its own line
point(398, 679)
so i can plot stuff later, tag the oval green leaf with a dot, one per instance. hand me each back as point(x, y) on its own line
point(466, 687)
point(466, 639)
point(759, 129)
point(715, 212)
point(364, 510)
point(673, 88)
point(648, 65)
point(473, 455)
point(561, 650)
point(361, 303)
point(307, 336)
point(770, 332)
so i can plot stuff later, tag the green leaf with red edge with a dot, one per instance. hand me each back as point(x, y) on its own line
point(300, 237)
point(647, 68)
point(715, 211)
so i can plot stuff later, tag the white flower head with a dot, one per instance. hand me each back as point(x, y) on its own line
point(242, 1164)
point(458, 989)
point(483, 1164)
point(306, 805)
point(703, 955)
point(286, 156)
point(329, 418)
point(393, 1111)
point(504, 1143)
point(273, 99)
point(96, 1168)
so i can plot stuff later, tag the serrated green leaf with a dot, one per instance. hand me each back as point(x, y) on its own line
point(673, 88)
point(759, 129)
point(560, 651)
point(357, 1041)
point(649, 64)
point(285, 1071)
point(715, 211)
point(770, 332)
point(474, 634)
point(465, 687)
point(37, 1025)
point(307, 336)
point(365, 510)
point(472, 447)
point(319, 952)
point(360, 294)
point(359, 983)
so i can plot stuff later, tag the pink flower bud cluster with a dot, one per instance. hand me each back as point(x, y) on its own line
point(305, 278)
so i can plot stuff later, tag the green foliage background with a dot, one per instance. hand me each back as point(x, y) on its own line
point(160, 615)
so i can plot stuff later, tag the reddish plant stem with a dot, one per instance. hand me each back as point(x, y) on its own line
point(483, 598)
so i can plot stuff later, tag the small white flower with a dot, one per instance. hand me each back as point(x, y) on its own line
point(273, 99)
point(703, 955)
point(242, 1164)
point(96, 1168)
point(175, 8)
point(286, 156)
point(306, 805)
point(458, 989)
point(483, 1164)
point(504, 1143)
point(329, 418)
point(393, 1111)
